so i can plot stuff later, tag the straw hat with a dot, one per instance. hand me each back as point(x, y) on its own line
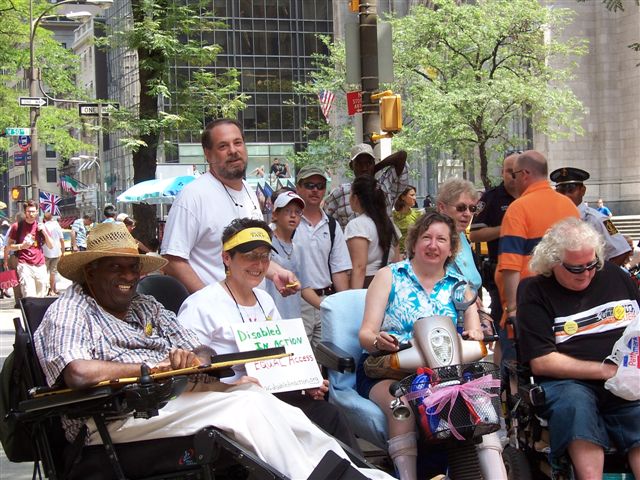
point(106, 240)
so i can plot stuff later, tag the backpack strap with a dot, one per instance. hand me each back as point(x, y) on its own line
point(332, 236)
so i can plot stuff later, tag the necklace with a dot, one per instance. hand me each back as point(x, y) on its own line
point(244, 187)
point(281, 245)
point(238, 306)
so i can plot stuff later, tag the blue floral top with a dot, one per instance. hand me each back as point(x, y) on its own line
point(408, 301)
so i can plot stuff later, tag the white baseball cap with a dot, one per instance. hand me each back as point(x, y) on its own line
point(285, 198)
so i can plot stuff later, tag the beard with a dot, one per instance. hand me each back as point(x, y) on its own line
point(233, 173)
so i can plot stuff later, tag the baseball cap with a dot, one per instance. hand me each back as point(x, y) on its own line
point(309, 171)
point(285, 198)
point(362, 149)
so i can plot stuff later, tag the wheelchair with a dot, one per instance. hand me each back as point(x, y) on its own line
point(208, 454)
point(528, 452)
point(341, 316)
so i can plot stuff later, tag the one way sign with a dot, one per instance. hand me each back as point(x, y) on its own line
point(32, 101)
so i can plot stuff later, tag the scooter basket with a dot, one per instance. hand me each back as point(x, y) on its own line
point(460, 401)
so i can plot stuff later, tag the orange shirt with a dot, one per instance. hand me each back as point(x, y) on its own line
point(525, 222)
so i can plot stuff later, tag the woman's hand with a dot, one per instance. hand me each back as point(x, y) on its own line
point(247, 379)
point(318, 393)
point(474, 334)
point(385, 342)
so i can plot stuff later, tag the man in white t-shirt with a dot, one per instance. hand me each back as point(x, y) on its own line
point(52, 255)
point(193, 234)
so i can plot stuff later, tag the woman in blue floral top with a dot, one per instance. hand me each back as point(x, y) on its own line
point(400, 294)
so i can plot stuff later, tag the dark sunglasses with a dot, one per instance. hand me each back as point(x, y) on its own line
point(508, 153)
point(576, 269)
point(513, 174)
point(317, 186)
point(567, 187)
point(461, 207)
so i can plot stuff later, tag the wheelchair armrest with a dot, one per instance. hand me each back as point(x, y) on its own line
point(331, 356)
point(532, 393)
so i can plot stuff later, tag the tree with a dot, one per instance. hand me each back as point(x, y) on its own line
point(56, 124)
point(468, 70)
point(164, 33)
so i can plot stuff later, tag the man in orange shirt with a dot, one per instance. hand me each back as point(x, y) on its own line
point(525, 222)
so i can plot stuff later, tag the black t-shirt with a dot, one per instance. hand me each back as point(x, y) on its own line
point(279, 170)
point(599, 314)
point(492, 205)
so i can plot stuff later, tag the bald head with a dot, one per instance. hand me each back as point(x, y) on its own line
point(534, 162)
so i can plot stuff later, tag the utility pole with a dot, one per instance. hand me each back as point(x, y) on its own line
point(369, 67)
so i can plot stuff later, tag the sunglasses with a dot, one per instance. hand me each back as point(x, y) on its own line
point(567, 187)
point(316, 186)
point(256, 257)
point(461, 207)
point(513, 174)
point(576, 269)
point(508, 153)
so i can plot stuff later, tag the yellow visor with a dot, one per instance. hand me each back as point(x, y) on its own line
point(248, 239)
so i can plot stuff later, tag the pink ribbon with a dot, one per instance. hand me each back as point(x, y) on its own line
point(439, 398)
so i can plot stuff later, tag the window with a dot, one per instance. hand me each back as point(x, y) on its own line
point(50, 152)
point(52, 175)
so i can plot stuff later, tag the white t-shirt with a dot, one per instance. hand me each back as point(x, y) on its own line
point(316, 249)
point(211, 311)
point(364, 227)
point(197, 219)
point(55, 232)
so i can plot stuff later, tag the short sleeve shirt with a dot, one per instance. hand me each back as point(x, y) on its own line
point(337, 202)
point(614, 243)
point(492, 206)
point(79, 227)
point(318, 254)
point(32, 255)
point(362, 226)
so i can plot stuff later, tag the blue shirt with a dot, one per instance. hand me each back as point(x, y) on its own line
point(465, 264)
point(408, 300)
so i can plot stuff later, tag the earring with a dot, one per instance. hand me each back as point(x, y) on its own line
point(228, 272)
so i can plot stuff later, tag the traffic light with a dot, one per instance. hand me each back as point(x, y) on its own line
point(17, 194)
point(391, 113)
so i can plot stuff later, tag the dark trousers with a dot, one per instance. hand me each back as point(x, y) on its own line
point(326, 415)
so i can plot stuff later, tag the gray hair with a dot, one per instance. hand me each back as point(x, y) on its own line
point(450, 191)
point(570, 234)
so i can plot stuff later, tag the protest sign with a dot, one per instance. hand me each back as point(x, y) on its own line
point(296, 372)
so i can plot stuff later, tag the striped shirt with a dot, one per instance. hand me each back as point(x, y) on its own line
point(75, 327)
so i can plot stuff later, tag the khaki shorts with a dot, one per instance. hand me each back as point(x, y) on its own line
point(52, 264)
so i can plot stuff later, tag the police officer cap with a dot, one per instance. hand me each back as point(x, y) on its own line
point(568, 175)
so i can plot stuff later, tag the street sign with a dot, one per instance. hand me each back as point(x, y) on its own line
point(32, 101)
point(16, 131)
point(19, 159)
point(24, 141)
point(354, 102)
point(97, 109)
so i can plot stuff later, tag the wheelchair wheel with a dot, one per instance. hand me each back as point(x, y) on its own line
point(516, 463)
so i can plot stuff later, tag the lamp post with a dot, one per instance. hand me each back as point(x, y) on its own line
point(89, 161)
point(34, 79)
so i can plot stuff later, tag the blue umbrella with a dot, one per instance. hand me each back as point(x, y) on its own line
point(156, 191)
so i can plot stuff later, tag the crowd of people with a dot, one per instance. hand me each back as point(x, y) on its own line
point(547, 254)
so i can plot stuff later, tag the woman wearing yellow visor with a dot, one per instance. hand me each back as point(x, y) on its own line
point(210, 312)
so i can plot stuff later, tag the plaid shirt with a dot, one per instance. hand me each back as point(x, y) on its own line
point(75, 327)
point(336, 204)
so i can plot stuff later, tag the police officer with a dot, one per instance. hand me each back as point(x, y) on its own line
point(570, 182)
point(485, 227)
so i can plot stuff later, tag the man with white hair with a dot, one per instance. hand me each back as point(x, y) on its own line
point(569, 317)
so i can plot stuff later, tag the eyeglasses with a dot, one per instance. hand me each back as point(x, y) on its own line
point(567, 187)
point(577, 269)
point(317, 186)
point(256, 257)
point(291, 211)
point(461, 207)
point(513, 174)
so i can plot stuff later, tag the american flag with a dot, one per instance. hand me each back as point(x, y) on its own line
point(49, 202)
point(326, 102)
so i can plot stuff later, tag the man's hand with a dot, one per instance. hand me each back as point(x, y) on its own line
point(286, 282)
point(177, 359)
point(318, 393)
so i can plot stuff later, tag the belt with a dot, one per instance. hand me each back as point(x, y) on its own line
point(325, 292)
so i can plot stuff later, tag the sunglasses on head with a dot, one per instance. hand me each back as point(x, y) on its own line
point(567, 187)
point(576, 269)
point(316, 186)
point(461, 207)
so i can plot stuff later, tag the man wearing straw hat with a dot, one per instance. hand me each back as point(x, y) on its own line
point(101, 329)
